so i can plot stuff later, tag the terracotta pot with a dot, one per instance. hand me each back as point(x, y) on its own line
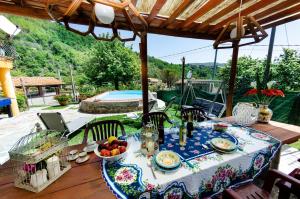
point(63, 103)
point(264, 114)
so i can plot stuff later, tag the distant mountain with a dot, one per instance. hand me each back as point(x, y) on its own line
point(206, 64)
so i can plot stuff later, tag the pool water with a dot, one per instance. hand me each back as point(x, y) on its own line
point(121, 95)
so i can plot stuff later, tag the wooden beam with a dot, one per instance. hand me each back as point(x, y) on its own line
point(244, 12)
point(18, 2)
point(200, 12)
point(24, 11)
point(144, 71)
point(155, 10)
point(282, 21)
point(282, 14)
point(218, 15)
point(274, 9)
point(177, 12)
point(231, 83)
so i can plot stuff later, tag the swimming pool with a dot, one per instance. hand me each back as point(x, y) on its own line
point(120, 95)
point(114, 102)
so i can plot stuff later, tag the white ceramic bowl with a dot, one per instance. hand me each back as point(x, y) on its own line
point(112, 158)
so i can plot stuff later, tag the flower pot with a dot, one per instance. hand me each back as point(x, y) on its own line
point(63, 103)
point(264, 114)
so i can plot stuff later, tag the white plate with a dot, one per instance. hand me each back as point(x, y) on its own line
point(81, 160)
point(89, 149)
point(72, 157)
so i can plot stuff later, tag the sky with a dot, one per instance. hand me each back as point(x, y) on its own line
point(164, 47)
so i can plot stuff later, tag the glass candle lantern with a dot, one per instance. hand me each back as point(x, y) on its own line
point(149, 140)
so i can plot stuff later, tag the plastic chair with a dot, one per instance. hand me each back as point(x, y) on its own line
point(198, 114)
point(156, 118)
point(102, 130)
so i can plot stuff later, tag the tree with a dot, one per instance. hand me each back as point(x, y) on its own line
point(169, 77)
point(287, 70)
point(112, 62)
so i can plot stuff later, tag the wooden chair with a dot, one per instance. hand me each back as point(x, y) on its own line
point(102, 130)
point(156, 118)
point(286, 188)
point(198, 114)
point(251, 191)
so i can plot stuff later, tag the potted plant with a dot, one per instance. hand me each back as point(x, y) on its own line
point(63, 99)
point(264, 97)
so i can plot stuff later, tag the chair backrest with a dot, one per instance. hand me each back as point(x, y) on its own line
point(151, 104)
point(54, 121)
point(156, 118)
point(169, 103)
point(102, 130)
point(198, 114)
point(204, 104)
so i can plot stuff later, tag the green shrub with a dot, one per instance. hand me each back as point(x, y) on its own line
point(21, 100)
point(63, 100)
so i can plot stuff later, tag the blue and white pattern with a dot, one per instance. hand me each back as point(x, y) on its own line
point(212, 172)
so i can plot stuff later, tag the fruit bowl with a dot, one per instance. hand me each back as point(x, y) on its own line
point(111, 154)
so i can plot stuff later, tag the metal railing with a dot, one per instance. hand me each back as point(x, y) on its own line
point(7, 50)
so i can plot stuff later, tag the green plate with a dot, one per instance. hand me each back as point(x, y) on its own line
point(162, 169)
point(223, 144)
point(167, 159)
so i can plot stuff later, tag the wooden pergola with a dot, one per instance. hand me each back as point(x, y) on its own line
point(200, 19)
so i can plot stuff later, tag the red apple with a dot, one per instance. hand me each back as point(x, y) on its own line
point(123, 143)
point(122, 149)
point(105, 152)
point(115, 142)
point(106, 146)
point(114, 146)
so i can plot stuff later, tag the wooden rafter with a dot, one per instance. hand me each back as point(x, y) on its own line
point(218, 15)
point(282, 21)
point(163, 20)
point(275, 9)
point(155, 10)
point(177, 12)
point(287, 12)
point(204, 9)
point(244, 12)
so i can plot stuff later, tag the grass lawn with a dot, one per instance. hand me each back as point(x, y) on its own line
point(131, 125)
point(56, 107)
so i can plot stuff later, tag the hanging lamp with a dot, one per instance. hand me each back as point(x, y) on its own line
point(102, 12)
point(242, 31)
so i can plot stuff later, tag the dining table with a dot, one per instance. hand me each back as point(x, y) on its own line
point(209, 174)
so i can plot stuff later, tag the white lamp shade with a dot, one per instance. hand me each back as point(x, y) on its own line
point(233, 33)
point(105, 14)
point(8, 27)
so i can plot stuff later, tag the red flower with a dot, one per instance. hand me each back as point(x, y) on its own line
point(252, 92)
point(272, 92)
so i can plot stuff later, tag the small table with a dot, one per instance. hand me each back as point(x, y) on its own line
point(6, 103)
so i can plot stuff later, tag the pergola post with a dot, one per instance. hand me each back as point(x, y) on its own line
point(231, 83)
point(269, 57)
point(144, 71)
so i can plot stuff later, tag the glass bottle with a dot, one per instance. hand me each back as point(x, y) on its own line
point(189, 126)
point(182, 134)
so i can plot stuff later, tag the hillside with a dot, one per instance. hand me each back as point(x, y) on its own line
point(47, 48)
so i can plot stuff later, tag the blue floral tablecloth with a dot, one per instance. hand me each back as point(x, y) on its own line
point(212, 172)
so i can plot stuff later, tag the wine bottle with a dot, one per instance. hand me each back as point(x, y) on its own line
point(189, 126)
point(161, 132)
point(182, 134)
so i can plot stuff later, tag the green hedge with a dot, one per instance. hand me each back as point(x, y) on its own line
point(286, 110)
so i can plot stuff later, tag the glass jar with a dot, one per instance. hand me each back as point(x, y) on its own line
point(149, 140)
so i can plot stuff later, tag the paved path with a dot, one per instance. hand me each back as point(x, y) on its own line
point(12, 129)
